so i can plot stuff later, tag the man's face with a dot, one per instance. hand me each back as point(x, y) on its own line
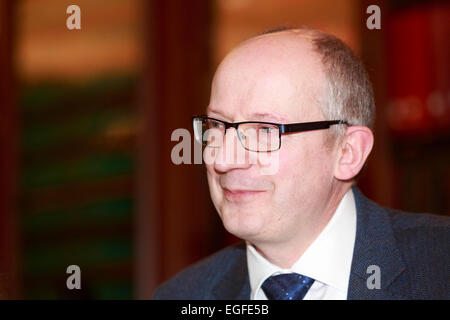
point(275, 78)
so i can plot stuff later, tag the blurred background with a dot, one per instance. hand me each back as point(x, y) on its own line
point(86, 118)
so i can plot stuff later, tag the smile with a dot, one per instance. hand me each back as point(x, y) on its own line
point(237, 194)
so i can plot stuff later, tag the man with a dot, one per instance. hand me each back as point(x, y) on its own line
point(301, 98)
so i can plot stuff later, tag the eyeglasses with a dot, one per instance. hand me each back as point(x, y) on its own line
point(254, 136)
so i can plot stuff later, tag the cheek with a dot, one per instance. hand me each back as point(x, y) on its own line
point(212, 183)
point(209, 170)
point(303, 167)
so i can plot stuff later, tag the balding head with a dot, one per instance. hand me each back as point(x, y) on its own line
point(278, 71)
point(346, 92)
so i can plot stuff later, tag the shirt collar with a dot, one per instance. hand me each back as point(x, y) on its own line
point(327, 260)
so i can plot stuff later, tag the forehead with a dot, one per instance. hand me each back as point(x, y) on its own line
point(274, 77)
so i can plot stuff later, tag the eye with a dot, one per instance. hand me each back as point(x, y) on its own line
point(266, 129)
point(214, 124)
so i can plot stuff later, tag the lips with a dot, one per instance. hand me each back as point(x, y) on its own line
point(238, 194)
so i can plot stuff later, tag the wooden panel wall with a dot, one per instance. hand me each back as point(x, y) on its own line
point(8, 158)
point(176, 221)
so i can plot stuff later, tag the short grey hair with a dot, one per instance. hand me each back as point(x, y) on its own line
point(349, 93)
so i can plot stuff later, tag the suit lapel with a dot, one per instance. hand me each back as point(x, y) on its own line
point(374, 245)
point(234, 283)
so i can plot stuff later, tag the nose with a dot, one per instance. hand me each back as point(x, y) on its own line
point(231, 155)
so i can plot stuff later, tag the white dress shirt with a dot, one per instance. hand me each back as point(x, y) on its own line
point(327, 260)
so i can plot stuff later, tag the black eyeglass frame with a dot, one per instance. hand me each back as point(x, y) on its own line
point(283, 128)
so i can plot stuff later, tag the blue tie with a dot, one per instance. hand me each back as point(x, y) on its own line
point(289, 286)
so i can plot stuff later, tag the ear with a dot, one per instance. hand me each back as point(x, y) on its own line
point(355, 147)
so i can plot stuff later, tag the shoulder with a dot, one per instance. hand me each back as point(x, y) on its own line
point(412, 248)
point(424, 243)
point(420, 228)
point(197, 281)
point(407, 228)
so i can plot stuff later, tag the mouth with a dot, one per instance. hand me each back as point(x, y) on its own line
point(238, 194)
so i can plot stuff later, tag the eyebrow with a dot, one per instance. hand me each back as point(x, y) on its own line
point(258, 116)
point(209, 110)
point(271, 117)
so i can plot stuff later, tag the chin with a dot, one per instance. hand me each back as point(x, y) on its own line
point(242, 224)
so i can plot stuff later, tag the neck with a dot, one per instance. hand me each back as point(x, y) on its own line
point(285, 253)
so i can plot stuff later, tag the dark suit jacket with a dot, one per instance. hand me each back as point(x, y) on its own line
point(412, 251)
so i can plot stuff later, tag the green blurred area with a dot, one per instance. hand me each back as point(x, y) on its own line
point(78, 135)
point(45, 259)
point(111, 212)
point(90, 168)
